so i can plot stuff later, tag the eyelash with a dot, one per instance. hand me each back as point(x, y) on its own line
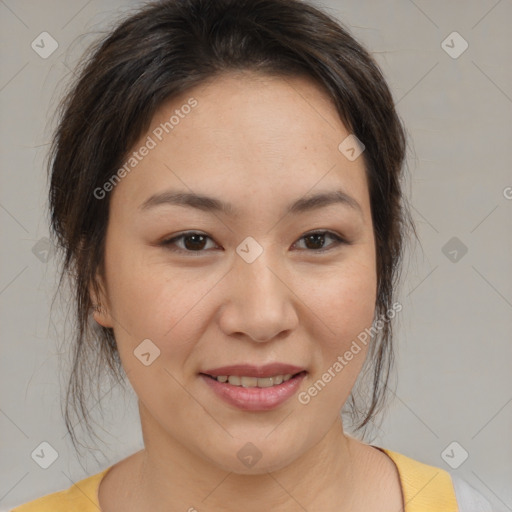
point(169, 242)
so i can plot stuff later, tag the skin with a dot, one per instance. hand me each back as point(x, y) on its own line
point(259, 143)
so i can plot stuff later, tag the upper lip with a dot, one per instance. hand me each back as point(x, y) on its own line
point(249, 370)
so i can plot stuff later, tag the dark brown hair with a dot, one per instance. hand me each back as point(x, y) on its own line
point(165, 49)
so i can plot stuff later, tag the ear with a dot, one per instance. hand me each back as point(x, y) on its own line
point(100, 305)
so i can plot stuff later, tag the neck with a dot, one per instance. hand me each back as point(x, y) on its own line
point(174, 478)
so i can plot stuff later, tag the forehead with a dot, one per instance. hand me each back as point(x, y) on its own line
point(246, 136)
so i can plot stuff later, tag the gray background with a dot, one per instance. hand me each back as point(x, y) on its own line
point(454, 333)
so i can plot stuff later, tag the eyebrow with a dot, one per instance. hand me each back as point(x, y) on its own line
point(211, 204)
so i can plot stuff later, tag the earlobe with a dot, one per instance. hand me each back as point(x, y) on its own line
point(100, 310)
point(101, 315)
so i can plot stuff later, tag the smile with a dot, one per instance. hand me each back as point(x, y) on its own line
point(265, 388)
point(254, 382)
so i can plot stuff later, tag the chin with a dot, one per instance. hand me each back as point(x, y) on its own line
point(258, 457)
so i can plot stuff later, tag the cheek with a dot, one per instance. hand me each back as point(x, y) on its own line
point(149, 299)
point(344, 300)
point(344, 306)
point(154, 302)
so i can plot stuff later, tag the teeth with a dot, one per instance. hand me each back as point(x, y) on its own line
point(235, 381)
point(253, 382)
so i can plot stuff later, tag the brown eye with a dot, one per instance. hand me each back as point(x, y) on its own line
point(316, 241)
point(194, 242)
point(188, 242)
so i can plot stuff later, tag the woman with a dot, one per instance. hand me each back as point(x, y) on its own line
point(226, 189)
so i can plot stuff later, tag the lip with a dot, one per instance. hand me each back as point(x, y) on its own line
point(248, 370)
point(255, 399)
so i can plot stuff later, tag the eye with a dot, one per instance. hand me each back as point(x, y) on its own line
point(191, 241)
point(315, 241)
point(194, 241)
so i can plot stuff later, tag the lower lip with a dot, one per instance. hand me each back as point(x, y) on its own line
point(255, 399)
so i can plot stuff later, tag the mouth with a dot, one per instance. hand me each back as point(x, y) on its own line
point(254, 382)
point(253, 388)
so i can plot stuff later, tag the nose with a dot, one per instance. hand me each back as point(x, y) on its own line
point(258, 303)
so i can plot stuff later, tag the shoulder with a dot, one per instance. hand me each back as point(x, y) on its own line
point(425, 487)
point(82, 495)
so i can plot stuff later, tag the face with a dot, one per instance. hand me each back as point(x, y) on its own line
point(258, 283)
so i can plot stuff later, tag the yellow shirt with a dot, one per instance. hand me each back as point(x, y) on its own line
point(425, 489)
